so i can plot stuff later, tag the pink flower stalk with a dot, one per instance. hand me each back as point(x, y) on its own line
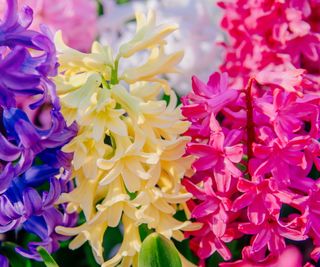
point(255, 136)
point(254, 152)
point(77, 19)
point(271, 35)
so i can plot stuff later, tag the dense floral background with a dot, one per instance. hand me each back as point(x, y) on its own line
point(194, 119)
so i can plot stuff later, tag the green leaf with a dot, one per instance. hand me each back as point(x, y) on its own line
point(157, 251)
point(121, 2)
point(47, 258)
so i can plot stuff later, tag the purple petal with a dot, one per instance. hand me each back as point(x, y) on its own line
point(32, 202)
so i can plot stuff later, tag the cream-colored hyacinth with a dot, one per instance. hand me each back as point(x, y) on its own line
point(128, 154)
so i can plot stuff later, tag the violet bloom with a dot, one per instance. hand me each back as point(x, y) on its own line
point(4, 261)
point(31, 159)
point(21, 72)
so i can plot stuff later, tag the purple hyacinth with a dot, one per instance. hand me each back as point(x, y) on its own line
point(23, 73)
point(34, 171)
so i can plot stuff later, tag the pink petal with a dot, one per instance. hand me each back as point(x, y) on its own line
point(261, 240)
point(204, 209)
point(256, 211)
point(276, 243)
point(234, 153)
point(243, 201)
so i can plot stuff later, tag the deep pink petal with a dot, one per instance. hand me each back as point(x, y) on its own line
point(261, 239)
point(243, 201)
point(256, 211)
point(204, 209)
point(234, 153)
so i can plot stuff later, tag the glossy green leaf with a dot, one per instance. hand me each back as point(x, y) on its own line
point(157, 251)
point(47, 258)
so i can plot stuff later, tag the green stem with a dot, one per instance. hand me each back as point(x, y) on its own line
point(104, 83)
point(114, 73)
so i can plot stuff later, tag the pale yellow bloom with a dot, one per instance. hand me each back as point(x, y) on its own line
point(128, 155)
point(86, 152)
point(103, 116)
point(157, 63)
point(128, 162)
point(130, 246)
point(78, 99)
point(73, 61)
point(148, 34)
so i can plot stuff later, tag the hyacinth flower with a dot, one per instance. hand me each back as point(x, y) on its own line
point(128, 154)
point(33, 169)
point(78, 22)
point(253, 159)
point(77, 19)
point(118, 23)
point(271, 35)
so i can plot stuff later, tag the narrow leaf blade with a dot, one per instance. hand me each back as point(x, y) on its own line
point(47, 258)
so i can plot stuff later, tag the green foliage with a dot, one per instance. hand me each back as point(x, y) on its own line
point(111, 239)
point(157, 251)
point(47, 258)
point(120, 2)
point(184, 248)
point(144, 231)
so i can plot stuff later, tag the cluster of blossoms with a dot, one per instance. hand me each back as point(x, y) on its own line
point(77, 19)
point(255, 148)
point(128, 154)
point(271, 35)
point(118, 24)
point(255, 132)
point(33, 169)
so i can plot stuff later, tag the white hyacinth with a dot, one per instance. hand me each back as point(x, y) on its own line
point(198, 33)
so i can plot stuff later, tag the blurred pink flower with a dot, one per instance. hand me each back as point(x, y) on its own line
point(266, 34)
point(77, 19)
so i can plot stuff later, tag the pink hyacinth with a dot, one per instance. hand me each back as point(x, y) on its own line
point(270, 35)
point(270, 107)
point(77, 19)
point(254, 153)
